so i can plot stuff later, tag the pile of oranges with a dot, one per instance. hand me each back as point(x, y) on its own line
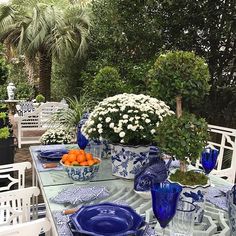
point(77, 157)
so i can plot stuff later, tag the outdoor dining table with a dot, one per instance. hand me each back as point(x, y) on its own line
point(52, 181)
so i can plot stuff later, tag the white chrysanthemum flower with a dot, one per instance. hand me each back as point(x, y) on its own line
point(125, 116)
point(108, 119)
point(99, 126)
point(153, 131)
point(122, 134)
point(111, 125)
point(100, 131)
point(147, 121)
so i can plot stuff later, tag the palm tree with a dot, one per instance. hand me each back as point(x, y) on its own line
point(46, 29)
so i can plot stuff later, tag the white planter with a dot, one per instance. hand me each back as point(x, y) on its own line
point(197, 195)
point(127, 160)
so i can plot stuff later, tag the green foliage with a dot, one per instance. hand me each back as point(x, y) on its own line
point(40, 98)
point(183, 137)
point(3, 92)
point(180, 73)
point(206, 27)
point(70, 117)
point(4, 133)
point(24, 91)
point(4, 71)
point(189, 178)
point(107, 83)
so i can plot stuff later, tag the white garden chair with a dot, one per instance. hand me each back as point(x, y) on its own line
point(18, 181)
point(15, 212)
point(224, 139)
point(32, 228)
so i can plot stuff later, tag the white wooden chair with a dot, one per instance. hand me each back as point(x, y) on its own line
point(37, 120)
point(15, 213)
point(32, 228)
point(224, 139)
point(18, 181)
point(15, 205)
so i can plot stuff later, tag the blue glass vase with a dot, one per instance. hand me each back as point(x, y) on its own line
point(82, 141)
point(165, 197)
point(209, 159)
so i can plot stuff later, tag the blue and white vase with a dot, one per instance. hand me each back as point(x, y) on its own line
point(127, 160)
point(196, 195)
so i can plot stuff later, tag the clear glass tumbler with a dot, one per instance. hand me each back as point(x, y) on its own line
point(183, 221)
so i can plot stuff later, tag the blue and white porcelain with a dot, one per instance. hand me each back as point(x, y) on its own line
point(52, 155)
point(81, 173)
point(127, 160)
point(107, 219)
point(232, 210)
point(196, 195)
point(156, 171)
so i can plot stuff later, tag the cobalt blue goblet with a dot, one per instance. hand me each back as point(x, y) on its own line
point(209, 159)
point(165, 197)
point(82, 141)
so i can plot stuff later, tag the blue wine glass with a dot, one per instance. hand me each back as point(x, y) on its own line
point(209, 158)
point(82, 141)
point(165, 197)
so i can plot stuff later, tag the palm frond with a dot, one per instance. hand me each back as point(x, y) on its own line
point(70, 117)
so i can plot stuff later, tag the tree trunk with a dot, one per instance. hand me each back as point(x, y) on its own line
point(179, 106)
point(183, 166)
point(45, 68)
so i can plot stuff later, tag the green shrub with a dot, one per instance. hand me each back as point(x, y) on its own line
point(180, 73)
point(4, 71)
point(40, 98)
point(4, 133)
point(107, 83)
point(24, 91)
point(183, 137)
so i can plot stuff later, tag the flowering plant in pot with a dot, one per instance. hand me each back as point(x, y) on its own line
point(129, 122)
point(184, 138)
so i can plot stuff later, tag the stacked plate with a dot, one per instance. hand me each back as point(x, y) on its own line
point(51, 155)
point(106, 219)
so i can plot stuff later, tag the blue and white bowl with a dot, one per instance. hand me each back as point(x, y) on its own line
point(81, 173)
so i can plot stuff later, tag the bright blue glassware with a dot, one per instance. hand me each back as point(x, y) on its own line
point(209, 159)
point(165, 197)
point(82, 141)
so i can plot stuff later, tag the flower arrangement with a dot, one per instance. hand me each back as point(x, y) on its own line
point(56, 136)
point(126, 118)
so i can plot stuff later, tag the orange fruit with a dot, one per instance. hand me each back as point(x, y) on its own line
point(72, 157)
point(75, 163)
point(84, 163)
point(81, 158)
point(65, 157)
point(73, 151)
point(67, 163)
point(90, 162)
point(96, 160)
point(89, 156)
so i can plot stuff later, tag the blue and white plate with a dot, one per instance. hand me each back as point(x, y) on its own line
point(107, 219)
point(52, 155)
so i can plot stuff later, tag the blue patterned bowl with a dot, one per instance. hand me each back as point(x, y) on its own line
point(81, 173)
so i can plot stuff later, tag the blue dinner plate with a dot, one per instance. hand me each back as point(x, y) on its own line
point(106, 219)
point(52, 155)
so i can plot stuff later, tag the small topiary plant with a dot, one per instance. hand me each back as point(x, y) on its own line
point(183, 138)
point(180, 74)
point(107, 83)
point(40, 98)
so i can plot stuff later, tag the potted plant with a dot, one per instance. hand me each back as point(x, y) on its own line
point(128, 122)
point(185, 138)
point(56, 136)
point(183, 76)
point(6, 139)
